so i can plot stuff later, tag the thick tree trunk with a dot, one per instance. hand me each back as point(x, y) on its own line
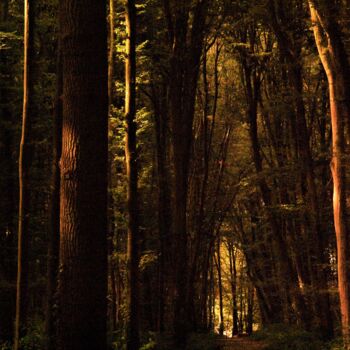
point(84, 162)
point(333, 56)
point(24, 168)
point(133, 341)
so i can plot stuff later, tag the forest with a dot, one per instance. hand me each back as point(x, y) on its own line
point(174, 175)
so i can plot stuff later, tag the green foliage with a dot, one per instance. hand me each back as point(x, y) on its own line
point(336, 344)
point(35, 337)
point(149, 341)
point(282, 337)
point(200, 341)
point(6, 346)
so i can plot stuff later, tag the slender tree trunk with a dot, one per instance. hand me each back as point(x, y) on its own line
point(250, 310)
point(334, 60)
point(83, 268)
point(54, 214)
point(24, 168)
point(133, 341)
point(221, 305)
point(111, 219)
point(233, 275)
point(211, 321)
point(111, 54)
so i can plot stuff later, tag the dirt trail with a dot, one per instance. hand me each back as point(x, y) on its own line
point(240, 344)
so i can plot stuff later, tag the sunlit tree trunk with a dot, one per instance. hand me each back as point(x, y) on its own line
point(82, 285)
point(133, 341)
point(333, 56)
point(24, 163)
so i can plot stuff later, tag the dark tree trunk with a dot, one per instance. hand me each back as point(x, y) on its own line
point(24, 164)
point(233, 276)
point(7, 189)
point(82, 285)
point(221, 305)
point(54, 214)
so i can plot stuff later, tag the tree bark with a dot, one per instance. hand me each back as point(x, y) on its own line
point(24, 163)
point(133, 341)
point(82, 285)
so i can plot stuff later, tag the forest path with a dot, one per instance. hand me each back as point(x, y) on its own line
point(240, 344)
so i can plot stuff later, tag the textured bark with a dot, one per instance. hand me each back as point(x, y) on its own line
point(54, 213)
point(24, 168)
point(133, 341)
point(334, 60)
point(82, 285)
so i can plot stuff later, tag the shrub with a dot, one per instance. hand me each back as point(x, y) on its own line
point(282, 337)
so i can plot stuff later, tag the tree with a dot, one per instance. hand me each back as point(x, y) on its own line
point(24, 164)
point(82, 285)
point(186, 27)
point(133, 341)
point(328, 37)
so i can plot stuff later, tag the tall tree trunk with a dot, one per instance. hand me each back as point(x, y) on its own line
point(133, 341)
point(233, 276)
point(221, 305)
point(333, 56)
point(7, 188)
point(186, 46)
point(54, 213)
point(111, 218)
point(164, 198)
point(84, 162)
point(24, 168)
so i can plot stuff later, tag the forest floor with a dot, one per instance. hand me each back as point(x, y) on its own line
point(240, 344)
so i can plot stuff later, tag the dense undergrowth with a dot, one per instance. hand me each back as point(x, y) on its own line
point(282, 337)
point(277, 337)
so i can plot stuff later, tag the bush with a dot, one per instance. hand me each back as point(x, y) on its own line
point(282, 337)
point(35, 337)
point(202, 341)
